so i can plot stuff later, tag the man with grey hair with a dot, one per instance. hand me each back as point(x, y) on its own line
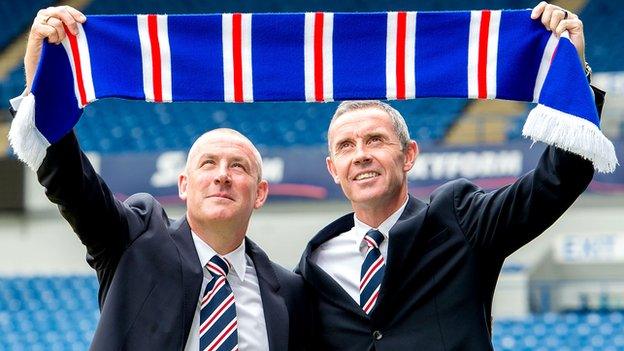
point(399, 273)
point(196, 283)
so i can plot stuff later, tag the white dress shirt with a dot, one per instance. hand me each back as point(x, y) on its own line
point(342, 256)
point(252, 331)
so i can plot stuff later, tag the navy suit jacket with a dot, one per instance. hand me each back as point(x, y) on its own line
point(443, 262)
point(444, 258)
point(148, 268)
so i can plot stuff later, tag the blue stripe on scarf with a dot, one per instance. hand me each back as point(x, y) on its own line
point(196, 57)
point(359, 56)
point(442, 54)
point(278, 72)
point(517, 57)
point(115, 57)
point(558, 94)
point(55, 113)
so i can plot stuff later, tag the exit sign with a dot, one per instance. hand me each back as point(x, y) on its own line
point(590, 248)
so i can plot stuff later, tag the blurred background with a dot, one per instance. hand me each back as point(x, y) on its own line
point(564, 291)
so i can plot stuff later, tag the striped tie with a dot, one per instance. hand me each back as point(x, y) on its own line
point(218, 324)
point(372, 271)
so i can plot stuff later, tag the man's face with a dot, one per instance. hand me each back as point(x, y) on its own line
point(221, 180)
point(366, 158)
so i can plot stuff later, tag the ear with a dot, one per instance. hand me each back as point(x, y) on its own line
point(261, 193)
point(332, 169)
point(182, 184)
point(411, 154)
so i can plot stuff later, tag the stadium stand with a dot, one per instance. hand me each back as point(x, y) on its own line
point(60, 313)
point(585, 331)
point(47, 313)
point(21, 14)
point(131, 126)
point(603, 47)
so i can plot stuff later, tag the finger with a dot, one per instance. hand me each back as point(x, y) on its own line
point(44, 31)
point(41, 17)
point(538, 10)
point(556, 17)
point(569, 25)
point(61, 13)
point(546, 15)
point(41, 14)
point(58, 27)
point(77, 15)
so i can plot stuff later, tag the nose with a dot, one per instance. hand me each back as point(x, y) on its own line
point(223, 176)
point(362, 156)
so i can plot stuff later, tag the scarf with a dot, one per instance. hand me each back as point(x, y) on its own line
point(315, 57)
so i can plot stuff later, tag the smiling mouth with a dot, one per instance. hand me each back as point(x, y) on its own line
point(366, 175)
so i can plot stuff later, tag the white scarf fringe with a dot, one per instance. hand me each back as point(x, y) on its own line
point(573, 134)
point(26, 140)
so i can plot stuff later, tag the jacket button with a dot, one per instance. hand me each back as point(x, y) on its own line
point(377, 335)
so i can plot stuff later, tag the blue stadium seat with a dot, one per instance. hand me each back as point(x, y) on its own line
point(61, 312)
point(115, 126)
point(603, 19)
point(20, 15)
point(47, 313)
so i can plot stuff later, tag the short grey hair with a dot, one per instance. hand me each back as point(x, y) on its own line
point(398, 122)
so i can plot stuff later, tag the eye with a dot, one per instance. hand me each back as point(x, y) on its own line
point(238, 165)
point(343, 145)
point(207, 162)
point(375, 139)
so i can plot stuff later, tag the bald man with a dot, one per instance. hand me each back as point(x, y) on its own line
point(196, 283)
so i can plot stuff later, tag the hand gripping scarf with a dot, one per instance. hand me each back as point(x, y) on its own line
point(315, 57)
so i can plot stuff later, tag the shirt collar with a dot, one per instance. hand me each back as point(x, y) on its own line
point(236, 259)
point(361, 228)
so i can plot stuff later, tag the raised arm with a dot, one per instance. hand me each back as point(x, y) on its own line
point(102, 223)
point(503, 220)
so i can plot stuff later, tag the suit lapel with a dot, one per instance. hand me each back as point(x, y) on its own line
point(402, 238)
point(191, 271)
point(273, 304)
point(318, 278)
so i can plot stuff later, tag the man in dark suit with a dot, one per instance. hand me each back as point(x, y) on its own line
point(402, 274)
point(196, 283)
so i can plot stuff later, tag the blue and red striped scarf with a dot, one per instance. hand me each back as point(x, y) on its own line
point(315, 57)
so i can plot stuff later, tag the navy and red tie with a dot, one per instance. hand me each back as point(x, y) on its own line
point(218, 323)
point(372, 271)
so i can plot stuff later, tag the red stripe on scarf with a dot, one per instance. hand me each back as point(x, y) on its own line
point(152, 26)
point(76, 54)
point(483, 50)
point(237, 56)
point(318, 56)
point(400, 55)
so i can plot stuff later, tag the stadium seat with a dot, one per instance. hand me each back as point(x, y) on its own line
point(61, 313)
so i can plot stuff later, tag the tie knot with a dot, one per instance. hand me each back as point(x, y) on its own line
point(217, 266)
point(374, 238)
